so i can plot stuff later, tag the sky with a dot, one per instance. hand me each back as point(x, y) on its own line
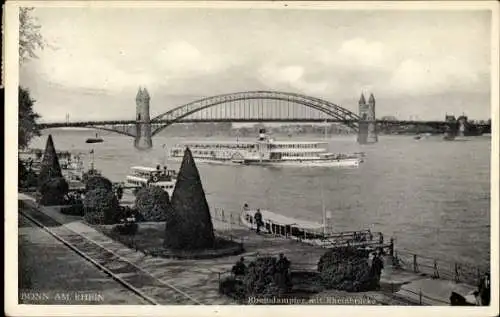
point(422, 64)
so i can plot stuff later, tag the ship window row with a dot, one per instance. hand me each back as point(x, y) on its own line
point(295, 146)
point(304, 154)
point(217, 146)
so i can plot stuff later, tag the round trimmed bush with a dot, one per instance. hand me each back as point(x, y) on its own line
point(233, 288)
point(73, 210)
point(153, 204)
point(101, 207)
point(94, 182)
point(347, 269)
point(264, 278)
point(128, 229)
point(53, 192)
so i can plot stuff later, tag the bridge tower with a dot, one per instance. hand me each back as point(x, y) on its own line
point(143, 140)
point(367, 125)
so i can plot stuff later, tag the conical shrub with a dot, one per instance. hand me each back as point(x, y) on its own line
point(191, 225)
point(153, 204)
point(50, 167)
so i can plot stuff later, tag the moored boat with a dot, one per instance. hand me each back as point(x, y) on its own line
point(265, 152)
point(142, 176)
point(305, 231)
point(97, 139)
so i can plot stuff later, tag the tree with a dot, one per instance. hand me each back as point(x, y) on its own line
point(27, 119)
point(191, 225)
point(30, 38)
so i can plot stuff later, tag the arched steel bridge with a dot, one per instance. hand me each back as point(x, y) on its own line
point(257, 112)
point(249, 106)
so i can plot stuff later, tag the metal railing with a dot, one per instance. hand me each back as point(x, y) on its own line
point(455, 271)
point(364, 238)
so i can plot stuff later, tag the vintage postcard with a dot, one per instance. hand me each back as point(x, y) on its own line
point(219, 158)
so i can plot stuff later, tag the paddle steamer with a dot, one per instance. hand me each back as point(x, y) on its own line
point(266, 151)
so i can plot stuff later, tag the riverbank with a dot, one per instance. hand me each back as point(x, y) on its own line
point(197, 280)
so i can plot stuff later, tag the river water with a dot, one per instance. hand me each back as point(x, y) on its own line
point(433, 196)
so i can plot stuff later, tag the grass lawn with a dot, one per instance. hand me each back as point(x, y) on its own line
point(149, 240)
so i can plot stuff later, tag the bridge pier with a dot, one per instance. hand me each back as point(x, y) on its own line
point(143, 139)
point(367, 126)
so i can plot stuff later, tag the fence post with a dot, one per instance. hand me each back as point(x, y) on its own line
point(391, 250)
point(415, 266)
point(420, 296)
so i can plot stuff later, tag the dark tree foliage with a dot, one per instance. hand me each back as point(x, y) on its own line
point(191, 225)
point(101, 207)
point(30, 38)
point(27, 119)
point(347, 269)
point(153, 204)
point(95, 182)
point(22, 173)
point(54, 191)
point(50, 167)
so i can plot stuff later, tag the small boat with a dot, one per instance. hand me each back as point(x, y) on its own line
point(278, 224)
point(309, 232)
point(97, 139)
point(417, 137)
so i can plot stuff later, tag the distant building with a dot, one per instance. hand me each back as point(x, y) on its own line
point(388, 118)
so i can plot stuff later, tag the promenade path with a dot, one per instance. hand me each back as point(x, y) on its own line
point(172, 281)
point(52, 273)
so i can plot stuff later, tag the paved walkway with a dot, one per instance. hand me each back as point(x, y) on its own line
point(51, 273)
point(175, 281)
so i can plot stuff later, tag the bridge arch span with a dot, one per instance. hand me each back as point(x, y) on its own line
point(52, 126)
point(332, 110)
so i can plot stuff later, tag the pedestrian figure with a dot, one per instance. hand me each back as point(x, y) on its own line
point(283, 268)
point(239, 268)
point(119, 192)
point(370, 235)
point(484, 290)
point(376, 269)
point(258, 220)
point(381, 238)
